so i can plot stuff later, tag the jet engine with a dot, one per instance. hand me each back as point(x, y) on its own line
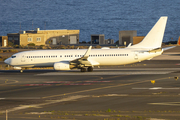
point(64, 65)
point(17, 68)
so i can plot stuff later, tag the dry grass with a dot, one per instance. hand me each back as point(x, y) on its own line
point(2, 58)
point(8, 51)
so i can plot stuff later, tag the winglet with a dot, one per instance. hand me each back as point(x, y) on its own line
point(86, 55)
point(129, 44)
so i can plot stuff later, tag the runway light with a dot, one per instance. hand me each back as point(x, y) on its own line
point(152, 81)
point(176, 78)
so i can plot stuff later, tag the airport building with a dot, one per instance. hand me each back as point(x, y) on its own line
point(3, 41)
point(109, 41)
point(97, 39)
point(44, 37)
point(126, 37)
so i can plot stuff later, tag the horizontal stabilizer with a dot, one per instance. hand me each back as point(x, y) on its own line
point(167, 48)
point(155, 50)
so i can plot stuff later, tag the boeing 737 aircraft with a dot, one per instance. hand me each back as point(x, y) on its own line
point(86, 59)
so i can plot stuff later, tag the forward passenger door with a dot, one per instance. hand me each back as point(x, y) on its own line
point(136, 55)
point(23, 59)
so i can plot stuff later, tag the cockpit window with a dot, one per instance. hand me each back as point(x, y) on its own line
point(13, 56)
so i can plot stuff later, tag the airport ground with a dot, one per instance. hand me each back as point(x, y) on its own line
point(149, 90)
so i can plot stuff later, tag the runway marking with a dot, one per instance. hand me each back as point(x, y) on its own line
point(109, 73)
point(167, 103)
point(107, 87)
point(68, 82)
point(7, 82)
point(21, 107)
point(58, 84)
point(66, 99)
point(156, 88)
point(20, 98)
point(19, 89)
point(37, 84)
point(136, 69)
point(33, 87)
point(70, 98)
point(30, 106)
point(40, 113)
point(117, 95)
point(122, 71)
point(98, 81)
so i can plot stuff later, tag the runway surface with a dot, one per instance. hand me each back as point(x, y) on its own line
point(149, 90)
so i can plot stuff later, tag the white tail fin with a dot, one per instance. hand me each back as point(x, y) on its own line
point(155, 36)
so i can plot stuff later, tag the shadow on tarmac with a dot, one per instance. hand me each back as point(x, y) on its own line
point(27, 71)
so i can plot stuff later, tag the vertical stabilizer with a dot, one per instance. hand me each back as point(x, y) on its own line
point(155, 36)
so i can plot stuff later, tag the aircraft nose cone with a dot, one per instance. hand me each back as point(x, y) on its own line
point(7, 61)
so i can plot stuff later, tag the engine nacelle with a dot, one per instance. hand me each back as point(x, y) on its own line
point(17, 68)
point(64, 65)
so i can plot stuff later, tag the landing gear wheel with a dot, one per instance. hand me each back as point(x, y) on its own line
point(21, 71)
point(83, 69)
point(90, 69)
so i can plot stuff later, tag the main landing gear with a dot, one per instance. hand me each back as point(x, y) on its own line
point(89, 69)
point(83, 69)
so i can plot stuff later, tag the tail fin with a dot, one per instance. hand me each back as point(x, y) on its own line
point(155, 36)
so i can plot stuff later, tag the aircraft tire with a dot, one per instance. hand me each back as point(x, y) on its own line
point(83, 69)
point(90, 69)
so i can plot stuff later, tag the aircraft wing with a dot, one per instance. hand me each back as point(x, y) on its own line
point(83, 61)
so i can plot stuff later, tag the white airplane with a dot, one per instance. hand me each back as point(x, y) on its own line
point(88, 58)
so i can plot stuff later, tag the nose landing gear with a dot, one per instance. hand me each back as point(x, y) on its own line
point(21, 71)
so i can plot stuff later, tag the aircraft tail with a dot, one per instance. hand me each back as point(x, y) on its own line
point(155, 36)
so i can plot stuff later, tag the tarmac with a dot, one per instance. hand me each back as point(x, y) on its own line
point(149, 90)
